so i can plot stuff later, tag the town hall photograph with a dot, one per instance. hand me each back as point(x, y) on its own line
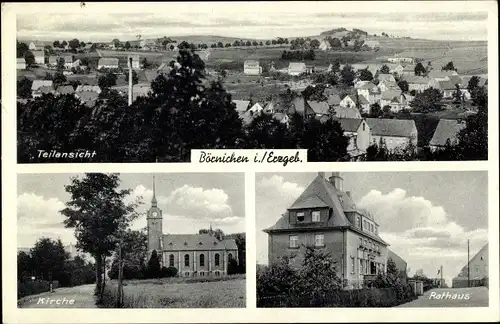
point(364, 239)
point(131, 240)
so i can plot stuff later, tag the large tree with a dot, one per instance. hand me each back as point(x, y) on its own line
point(365, 75)
point(74, 44)
point(49, 257)
point(135, 77)
point(21, 49)
point(98, 213)
point(107, 80)
point(420, 69)
point(347, 75)
point(427, 101)
point(24, 87)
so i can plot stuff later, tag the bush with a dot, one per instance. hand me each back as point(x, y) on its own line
point(29, 287)
point(168, 272)
point(232, 267)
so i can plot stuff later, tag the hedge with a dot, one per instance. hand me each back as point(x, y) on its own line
point(26, 288)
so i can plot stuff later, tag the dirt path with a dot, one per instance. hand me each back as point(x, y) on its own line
point(82, 297)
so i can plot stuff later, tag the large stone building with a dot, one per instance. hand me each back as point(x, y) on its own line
point(190, 254)
point(325, 216)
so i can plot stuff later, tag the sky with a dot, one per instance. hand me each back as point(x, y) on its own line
point(265, 20)
point(190, 201)
point(426, 217)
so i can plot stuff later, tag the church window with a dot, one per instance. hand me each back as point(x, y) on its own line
point(217, 259)
point(202, 260)
point(171, 260)
point(186, 260)
point(229, 256)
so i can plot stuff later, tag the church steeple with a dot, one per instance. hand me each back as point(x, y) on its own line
point(154, 203)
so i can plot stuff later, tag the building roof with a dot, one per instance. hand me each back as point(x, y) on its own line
point(297, 66)
point(300, 106)
point(347, 112)
point(482, 251)
point(67, 89)
point(321, 193)
point(409, 68)
point(362, 100)
point(415, 79)
point(446, 129)
point(92, 88)
point(191, 242)
point(319, 107)
point(241, 105)
point(281, 117)
point(446, 85)
point(251, 63)
point(108, 61)
point(389, 84)
point(89, 97)
point(46, 89)
point(391, 94)
point(333, 100)
point(53, 59)
point(364, 85)
point(349, 124)
point(37, 84)
point(441, 74)
point(386, 76)
point(392, 127)
point(67, 58)
point(455, 79)
point(400, 263)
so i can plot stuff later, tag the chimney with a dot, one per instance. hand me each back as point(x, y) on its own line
point(130, 81)
point(321, 174)
point(336, 180)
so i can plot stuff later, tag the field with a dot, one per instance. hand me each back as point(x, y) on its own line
point(216, 292)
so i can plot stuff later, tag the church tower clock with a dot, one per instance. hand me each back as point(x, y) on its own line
point(155, 225)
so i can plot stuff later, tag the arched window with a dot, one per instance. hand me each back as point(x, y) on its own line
point(202, 260)
point(217, 259)
point(229, 257)
point(186, 260)
point(171, 260)
point(363, 127)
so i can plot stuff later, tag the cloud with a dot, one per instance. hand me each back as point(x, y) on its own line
point(38, 217)
point(276, 186)
point(421, 232)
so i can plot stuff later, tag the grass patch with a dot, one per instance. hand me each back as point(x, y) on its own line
point(192, 292)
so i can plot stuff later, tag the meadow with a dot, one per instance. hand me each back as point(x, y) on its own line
point(193, 292)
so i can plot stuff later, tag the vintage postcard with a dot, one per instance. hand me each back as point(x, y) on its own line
point(190, 162)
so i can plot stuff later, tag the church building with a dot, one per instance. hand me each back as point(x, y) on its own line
point(190, 254)
point(325, 216)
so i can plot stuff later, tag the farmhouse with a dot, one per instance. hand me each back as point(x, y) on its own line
point(252, 67)
point(368, 90)
point(385, 85)
point(476, 270)
point(447, 88)
point(393, 132)
point(135, 61)
point(39, 87)
point(348, 101)
point(363, 103)
point(388, 96)
point(20, 63)
point(408, 69)
point(358, 132)
point(297, 68)
point(325, 45)
point(346, 112)
point(325, 216)
point(191, 254)
point(39, 57)
point(320, 108)
point(417, 83)
point(446, 130)
point(107, 63)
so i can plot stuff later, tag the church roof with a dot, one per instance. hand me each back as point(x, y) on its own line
point(192, 242)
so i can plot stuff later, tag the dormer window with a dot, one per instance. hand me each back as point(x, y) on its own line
point(185, 243)
point(300, 217)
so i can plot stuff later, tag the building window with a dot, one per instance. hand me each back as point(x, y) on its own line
point(294, 241)
point(202, 260)
point(217, 259)
point(186, 260)
point(360, 266)
point(371, 228)
point(319, 240)
point(358, 221)
point(315, 216)
point(300, 217)
point(360, 241)
point(353, 265)
point(363, 127)
point(171, 260)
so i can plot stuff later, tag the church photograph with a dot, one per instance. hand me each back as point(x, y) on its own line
point(131, 240)
point(365, 239)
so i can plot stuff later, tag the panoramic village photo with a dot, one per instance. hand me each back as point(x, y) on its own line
point(386, 239)
point(152, 83)
point(133, 240)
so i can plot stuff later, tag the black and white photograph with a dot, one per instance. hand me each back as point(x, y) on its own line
point(135, 240)
point(364, 239)
point(152, 81)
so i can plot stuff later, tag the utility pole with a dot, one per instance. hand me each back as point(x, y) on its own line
point(468, 265)
point(119, 299)
point(441, 282)
point(130, 83)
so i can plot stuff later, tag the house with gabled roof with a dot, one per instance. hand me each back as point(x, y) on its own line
point(441, 75)
point(320, 108)
point(386, 77)
point(394, 133)
point(39, 87)
point(386, 85)
point(475, 271)
point(408, 69)
point(20, 63)
point(346, 112)
point(417, 83)
point(297, 68)
point(393, 98)
point(324, 45)
point(252, 67)
point(66, 89)
point(359, 134)
point(107, 63)
point(191, 254)
point(348, 101)
point(241, 105)
point(39, 57)
point(324, 216)
point(446, 130)
point(447, 88)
